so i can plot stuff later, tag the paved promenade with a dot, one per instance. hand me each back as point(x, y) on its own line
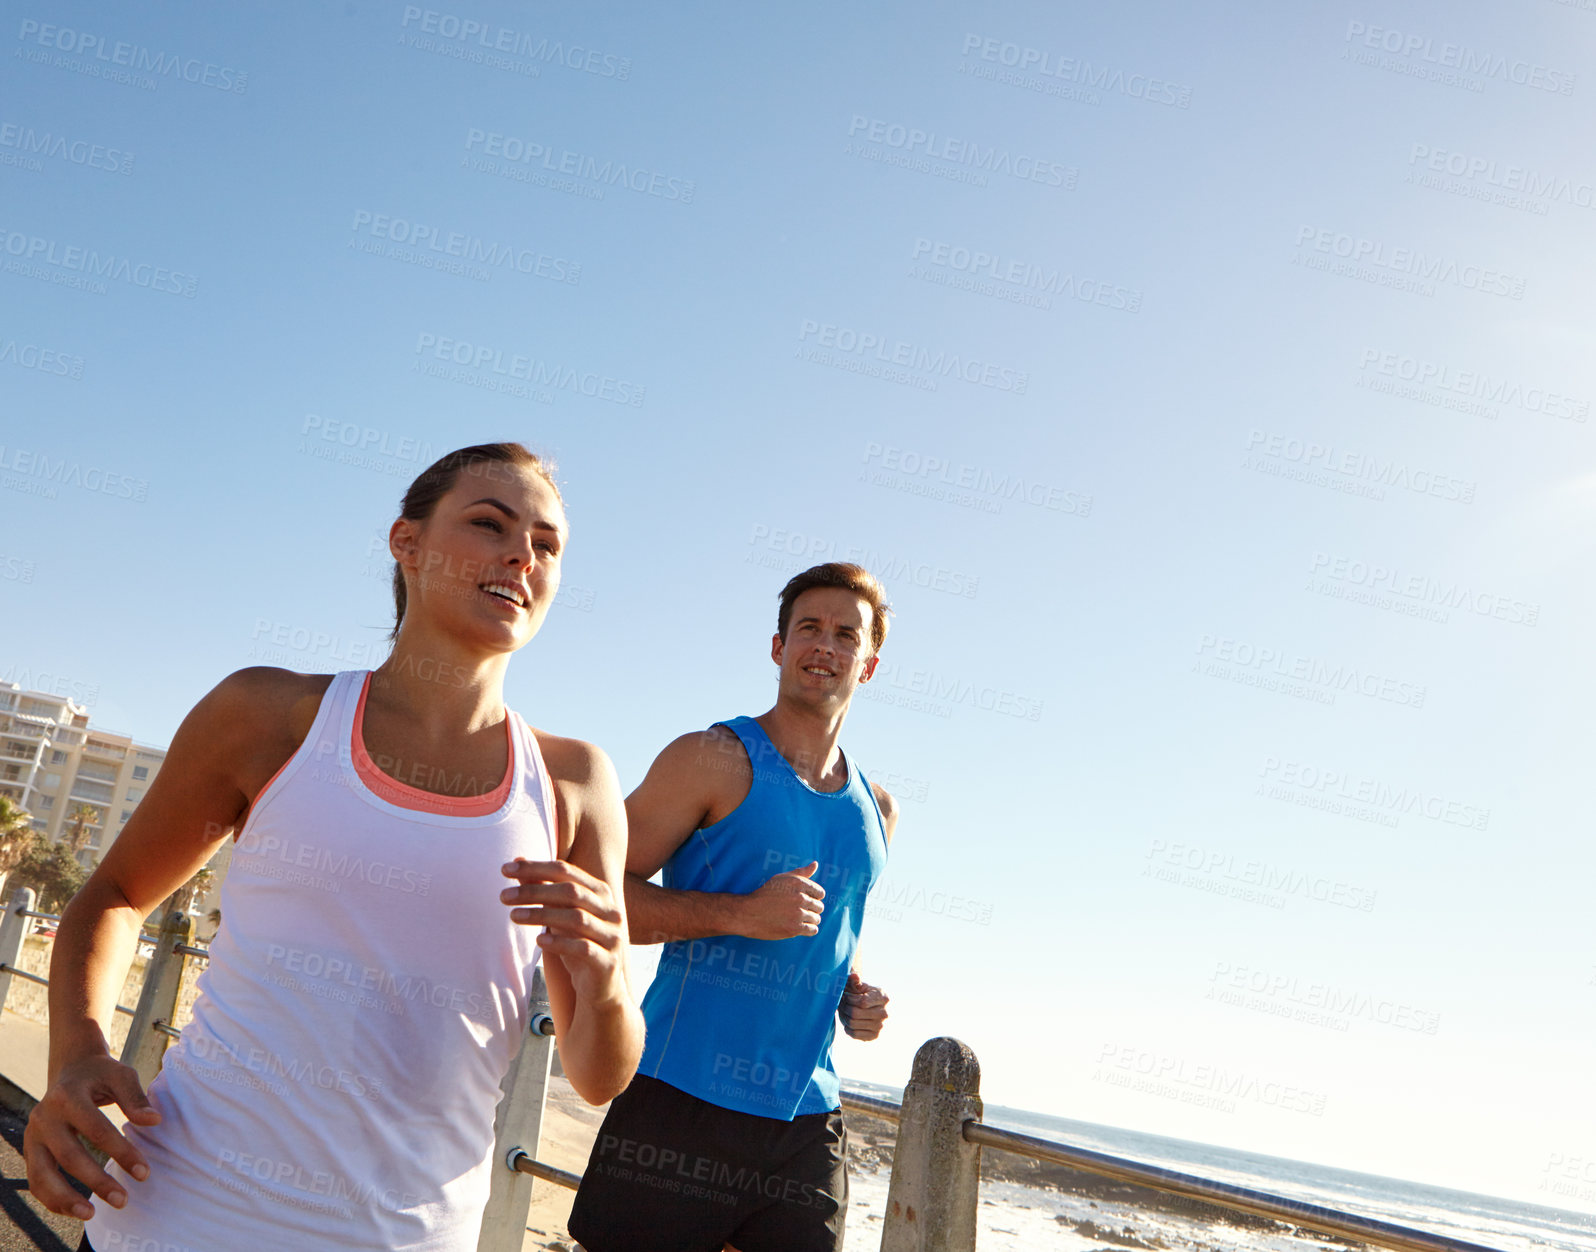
point(25, 1225)
point(24, 1052)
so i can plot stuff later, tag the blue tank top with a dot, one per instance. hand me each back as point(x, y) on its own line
point(747, 1023)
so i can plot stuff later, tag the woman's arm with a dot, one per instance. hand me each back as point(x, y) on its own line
point(579, 899)
point(204, 787)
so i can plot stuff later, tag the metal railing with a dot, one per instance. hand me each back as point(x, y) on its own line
point(1240, 1199)
point(936, 1169)
point(871, 1104)
point(157, 1005)
point(934, 1189)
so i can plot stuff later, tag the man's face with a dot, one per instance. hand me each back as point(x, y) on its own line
point(827, 650)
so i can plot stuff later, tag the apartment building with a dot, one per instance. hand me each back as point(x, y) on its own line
point(52, 762)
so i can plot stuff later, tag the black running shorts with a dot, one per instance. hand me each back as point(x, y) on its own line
point(672, 1173)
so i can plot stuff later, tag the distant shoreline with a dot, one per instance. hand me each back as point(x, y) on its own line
point(870, 1149)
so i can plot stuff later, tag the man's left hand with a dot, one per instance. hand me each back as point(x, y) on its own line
point(863, 1009)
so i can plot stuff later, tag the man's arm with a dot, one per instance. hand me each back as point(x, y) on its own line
point(696, 780)
point(863, 1010)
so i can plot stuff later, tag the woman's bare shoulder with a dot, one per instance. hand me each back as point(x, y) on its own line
point(574, 762)
point(250, 723)
point(263, 697)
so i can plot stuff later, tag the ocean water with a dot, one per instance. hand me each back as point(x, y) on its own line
point(1016, 1218)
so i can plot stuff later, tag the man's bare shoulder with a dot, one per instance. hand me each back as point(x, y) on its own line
point(712, 754)
point(888, 805)
point(886, 800)
point(696, 780)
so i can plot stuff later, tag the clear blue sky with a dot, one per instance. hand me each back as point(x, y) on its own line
point(1212, 389)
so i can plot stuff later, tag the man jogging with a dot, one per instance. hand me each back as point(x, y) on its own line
point(770, 839)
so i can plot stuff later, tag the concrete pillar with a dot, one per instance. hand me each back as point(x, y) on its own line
point(145, 1045)
point(13, 930)
point(518, 1126)
point(936, 1175)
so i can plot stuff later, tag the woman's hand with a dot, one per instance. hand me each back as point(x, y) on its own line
point(583, 923)
point(71, 1107)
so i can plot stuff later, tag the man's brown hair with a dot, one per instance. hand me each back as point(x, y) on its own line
point(850, 577)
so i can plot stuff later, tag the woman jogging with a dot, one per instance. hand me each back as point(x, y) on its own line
point(401, 839)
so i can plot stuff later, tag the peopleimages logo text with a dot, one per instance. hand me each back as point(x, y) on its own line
point(1424, 267)
point(913, 356)
point(1453, 56)
point(30, 356)
point(1397, 801)
point(71, 473)
point(463, 31)
point(936, 469)
point(1362, 466)
point(1266, 665)
point(963, 152)
point(953, 689)
point(90, 155)
point(1046, 280)
point(1475, 383)
point(559, 160)
point(134, 56)
point(1046, 64)
point(1504, 175)
point(465, 247)
point(526, 367)
point(1444, 593)
point(35, 250)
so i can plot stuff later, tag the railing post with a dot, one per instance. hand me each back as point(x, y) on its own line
point(13, 930)
point(145, 1045)
point(518, 1126)
point(936, 1175)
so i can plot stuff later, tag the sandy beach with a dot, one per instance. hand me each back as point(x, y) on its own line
point(570, 1125)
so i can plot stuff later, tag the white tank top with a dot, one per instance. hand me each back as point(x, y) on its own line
point(364, 997)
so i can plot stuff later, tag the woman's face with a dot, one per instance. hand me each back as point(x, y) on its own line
point(485, 566)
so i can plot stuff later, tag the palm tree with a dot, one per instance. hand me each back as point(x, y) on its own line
point(81, 816)
point(183, 898)
point(16, 836)
point(51, 870)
